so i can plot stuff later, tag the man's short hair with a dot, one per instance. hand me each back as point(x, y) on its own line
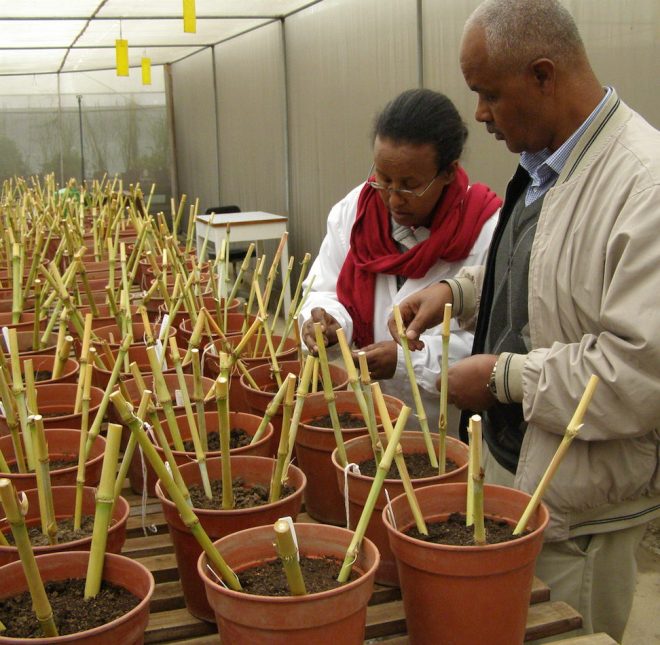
point(520, 31)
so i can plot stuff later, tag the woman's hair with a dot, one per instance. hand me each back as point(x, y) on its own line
point(423, 116)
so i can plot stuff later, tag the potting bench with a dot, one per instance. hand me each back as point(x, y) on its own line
point(170, 621)
point(254, 226)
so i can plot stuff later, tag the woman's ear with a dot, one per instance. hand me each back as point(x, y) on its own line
point(450, 171)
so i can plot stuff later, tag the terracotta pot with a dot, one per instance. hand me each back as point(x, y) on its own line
point(443, 584)
point(62, 444)
point(7, 304)
point(261, 356)
point(46, 363)
point(335, 616)
point(235, 322)
point(117, 569)
point(247, 422)
point(218, 523)
point(64, 501)
point(258, 400)
point(114, 335)
point(56, 402)
point(26, 321)
point(359, 450)
point(137, 354)
point(314, 446)
point(26, 348)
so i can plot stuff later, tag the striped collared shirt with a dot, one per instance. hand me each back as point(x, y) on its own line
point(544, 167)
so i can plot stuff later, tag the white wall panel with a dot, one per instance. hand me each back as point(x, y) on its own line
point(195, 128)
point(252, 120)
point(345, 60)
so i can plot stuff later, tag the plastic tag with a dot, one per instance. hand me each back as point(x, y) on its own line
point(349, 468)
point(390, 510)
point(289, 520)
point(163, 327)
point(178, 396)
point(160, 352)
point(5, 335)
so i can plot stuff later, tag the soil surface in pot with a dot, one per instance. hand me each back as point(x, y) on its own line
point(454, 532)
point(53, 464)
point(418, 465)
point(245, 495)
point(65, 532)
point(269, 579)
point(237, 439)
point(346, 420)
point(43, 375)
point(71, 611)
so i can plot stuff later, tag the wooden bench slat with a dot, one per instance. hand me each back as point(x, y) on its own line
point(550, 618)
point(588, 639)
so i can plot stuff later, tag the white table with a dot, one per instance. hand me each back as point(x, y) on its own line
point(254, 226)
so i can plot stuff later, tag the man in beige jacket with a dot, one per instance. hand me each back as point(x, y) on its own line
point(569, 290)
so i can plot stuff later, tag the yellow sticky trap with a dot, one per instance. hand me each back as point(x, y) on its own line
point(121, 53)
point(189, 17)
point(146, 71)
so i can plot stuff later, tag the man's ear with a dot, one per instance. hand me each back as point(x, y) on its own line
point(450, 171)
point(544, 73)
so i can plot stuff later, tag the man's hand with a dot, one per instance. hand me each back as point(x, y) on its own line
point(329, 327)
point(381, 359)
point(467, 382)
point(421, 310)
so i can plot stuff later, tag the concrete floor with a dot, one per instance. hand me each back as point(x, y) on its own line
point(644, 624)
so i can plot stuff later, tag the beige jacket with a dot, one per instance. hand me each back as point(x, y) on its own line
point(594, 290)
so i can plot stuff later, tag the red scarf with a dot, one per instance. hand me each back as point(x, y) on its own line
point(457, 222)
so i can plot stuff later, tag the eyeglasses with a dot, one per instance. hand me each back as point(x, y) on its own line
point(405, 192)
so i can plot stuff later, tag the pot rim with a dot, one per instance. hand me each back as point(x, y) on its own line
point(501, 546)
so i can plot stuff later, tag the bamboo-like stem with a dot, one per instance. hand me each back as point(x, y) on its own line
point(62, 355)
point(571, 432)
point(283, 446)
point(198, 398)
point(15, 518)
point(399, 459)
point(292, 315)
point(19, 396)
point(444, 369)
point(239, 281)
point(288, 554)
point(199, 449)
point(267, 334)
point(271, 410)
point(478, 481)
point(374, 492)
point(188, 517)
point(272, 272)
point(365, 383)
point(104, 503)
point(12, 422)
point(30, 387)
point(469, 507)
point(280, 300)
point(315, 377)
point(223, 426)
point(84, 424)
point(301, 393)
point(192, 217)
point(130, 446)
point(17, 290)
point(36, 328)
point(114, 375)
point(45, 493)
point(329, 396)
point(164, 398)
point(419, 406)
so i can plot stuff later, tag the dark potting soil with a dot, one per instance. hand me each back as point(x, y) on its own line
point(346, 420)
point(65, 532)
point(71, 611)
point(43, 375)
point(453, 531)
point(53, 464)
point(418, 465)
point(237, 439)
point(269, 579)
point(245, 496)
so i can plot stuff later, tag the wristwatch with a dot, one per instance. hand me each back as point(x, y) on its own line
point(492, 383)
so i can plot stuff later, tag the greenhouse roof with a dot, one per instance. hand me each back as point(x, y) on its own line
point(58, 36)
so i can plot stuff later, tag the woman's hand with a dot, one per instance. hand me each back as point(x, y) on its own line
point(329, 327)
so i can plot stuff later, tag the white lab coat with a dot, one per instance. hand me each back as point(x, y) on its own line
point(426, 362)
